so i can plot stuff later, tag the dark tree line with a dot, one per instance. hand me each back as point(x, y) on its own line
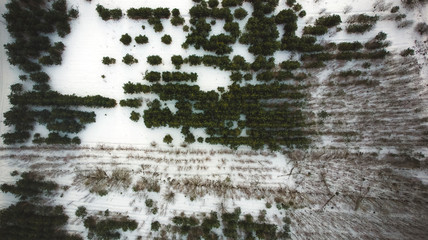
point(108, 14)
point(272, 126)
point(234, 226)
point(28, 219)
point(132, 102)
point(361, 23)
point(153, 16)
point(171, 76)
point(56, 138)
point(107, 228)
point(52, 98)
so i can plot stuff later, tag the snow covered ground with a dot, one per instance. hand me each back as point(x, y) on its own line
point(87, 44)
point(336, 163)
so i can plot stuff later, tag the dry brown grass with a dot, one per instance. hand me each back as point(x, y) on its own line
point(98, 180)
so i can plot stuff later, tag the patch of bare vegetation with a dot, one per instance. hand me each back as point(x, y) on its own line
point(149, 184)
point(99, 181)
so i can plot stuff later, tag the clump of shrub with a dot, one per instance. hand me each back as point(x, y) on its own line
point(377, 42)
point(412, 3)
point(155, 226)
point(236, 77)
point(141, 39)
point(176, 19)
point(349, 46)
point(290, 65)
point(350, 73)
point(328, 21)
point(167, 139)
point(316, 64)
point(179, 77)
point(361, 23)
point(177, 61)
point(422, 28)
point(153, 76)
point(407, 52)
point(81, 212)
point(240, 13)
point(149, 203)
point(132, 102)
point(169, 196)
point(30, 185)
point(129, 59)
point(395, 9)
point(290, 3)
point(359, 28)
point(153, 16)
point(107, 228)
point(231, 3)
point(297, 7)
point(315, 30)
point(261, 34)
point(107, 14)
point(39, 77)
point(135, 116)
point(149, 184)
point(166, 39)
point(126, 39)
point(154, 60)
point(366, 65)
point(363, 18)
point(14, 173)
point(98, 180)
point(108, 60)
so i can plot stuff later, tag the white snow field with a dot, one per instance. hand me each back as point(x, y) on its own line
point(354, 182)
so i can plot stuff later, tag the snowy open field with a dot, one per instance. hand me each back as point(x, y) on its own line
point(361, 151)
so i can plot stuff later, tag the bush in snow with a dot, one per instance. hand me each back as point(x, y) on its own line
point(315, 30)
point(155, 226)
point(81, 212)
point(359, 28)
point(133, 103)
point(129, 59)
point(290, 3)
point(166, 39)
point(422, 28)
point(153, 76)
point(328, 21)
point(135, 116)
point(177, 60)
point(154, 60)
point(395, 9)
point(141, 39)
point(407, 52)
point(107, 228)
point(108, 60)
point(126, 39)
point(167, 139)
